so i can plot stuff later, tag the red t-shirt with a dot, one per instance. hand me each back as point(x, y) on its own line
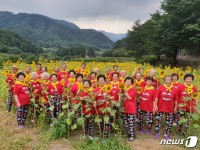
point(146, 100)
point(36, 87)
point(183, 94)
point(75, 91)
point(44, 84)
point(94, 83)
point(88, 109)
point(63, 75)
point(11, 78)
point(156, 83)
point(176, 85)
point(57, 90)
point(39, 74)
point(22, 93)
point(166, 99)
point(130, 105)
point(111, 75)
point(115, 89)
point(101, 102)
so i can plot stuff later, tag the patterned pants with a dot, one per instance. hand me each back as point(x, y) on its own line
point(182, 114)
point(129, 124)
point(175, 115)
point(35, 110)
point(55, 101)
point(105, 127)
point(89, 125)
point(168, 119)
point(149, 119)
point(9, 101)
point(22, 113)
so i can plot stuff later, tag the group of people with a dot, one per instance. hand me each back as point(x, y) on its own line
point(143, 97)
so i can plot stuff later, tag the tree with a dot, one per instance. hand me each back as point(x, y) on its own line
point(180, 26)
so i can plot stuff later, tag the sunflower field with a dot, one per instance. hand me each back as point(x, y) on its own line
point(65, 124)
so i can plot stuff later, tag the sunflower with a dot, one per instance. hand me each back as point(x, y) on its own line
point(189, 91)
point(62, 82)
point(136, 84)
point(26, 82)
point(121, 86)
point(181, 74)
point(108, 88)
point(71, 80)
point(80, 86)
point(195, 95)
point(139, 90)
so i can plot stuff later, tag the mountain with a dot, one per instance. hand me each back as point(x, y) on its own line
point(113, 36)
point(48, 32)
point(13, 43)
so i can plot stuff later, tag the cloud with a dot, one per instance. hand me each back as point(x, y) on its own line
point(111, 15)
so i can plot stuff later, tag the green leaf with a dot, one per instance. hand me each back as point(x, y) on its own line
point(74, 126)
point(106, 119)
point(97, 120)
point(80, 121)
point(66, 106)
point(71, 113)
point(62, 114)
point(76, 106)
point(69, 121)
point(183, 120)
point(51, 108)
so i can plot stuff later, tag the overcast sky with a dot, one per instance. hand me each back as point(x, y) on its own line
point(115, 16)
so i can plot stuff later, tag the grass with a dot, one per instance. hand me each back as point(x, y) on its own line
point(109, 144)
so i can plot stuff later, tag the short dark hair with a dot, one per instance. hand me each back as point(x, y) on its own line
point(149, 78)
point(45, 68)
point(129, 78)
point(72, 71)
point(93, 73)
point(101, 76)
point(168, 76)
point(53, 75)
point(79, 75)
point(115, 66)
point(88, 81)
point(175, 74)
point(19, 74)
point(115, 73)
point(38, 64)
point(188, 75)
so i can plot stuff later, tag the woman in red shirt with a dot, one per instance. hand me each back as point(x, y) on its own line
point(156, 82)
point(130, 109)
point(147, 103)
point(176, 85)
point(115, 87)
point(35, 89)
point(75, 92)
point(11, 78)
point(187, 100)
point(93, 79)
point(55, 91)
point(22, 99)
point(166, 104)
point(87, 97)
point(102, 101)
